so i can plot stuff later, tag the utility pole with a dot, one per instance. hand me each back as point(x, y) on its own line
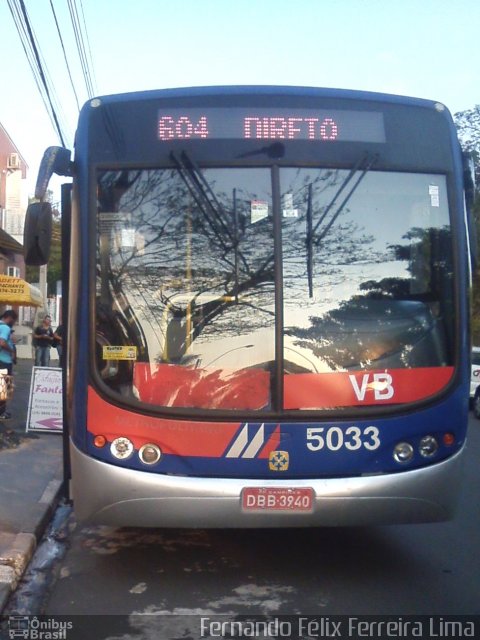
point(43, 285)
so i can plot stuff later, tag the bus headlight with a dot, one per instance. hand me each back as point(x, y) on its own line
point(121, 448)
point(403, 452)
point(428, 446)
point(150, 454)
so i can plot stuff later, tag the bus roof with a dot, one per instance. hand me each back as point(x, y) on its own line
point(269, 90)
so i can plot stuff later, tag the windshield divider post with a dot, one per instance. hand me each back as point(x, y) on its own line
point(277, 391)
point(309, 242)
point(236, 241)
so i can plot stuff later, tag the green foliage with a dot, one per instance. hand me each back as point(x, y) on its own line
point(468, 127)
point(54, 271)
point(475, 301)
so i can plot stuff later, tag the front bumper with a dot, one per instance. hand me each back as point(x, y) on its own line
point(108, 494)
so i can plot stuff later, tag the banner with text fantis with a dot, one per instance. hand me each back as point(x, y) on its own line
point(45, 409)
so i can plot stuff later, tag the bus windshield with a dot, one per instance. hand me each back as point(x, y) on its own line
point(211, 283)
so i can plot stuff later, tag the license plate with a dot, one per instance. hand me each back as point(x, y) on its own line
point(276, 499)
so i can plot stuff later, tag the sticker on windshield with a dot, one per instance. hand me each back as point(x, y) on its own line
point(258, 210)
point(108, 221)
point(289, 210)
point(127, 238)
point(434, 193)
point(110, 352)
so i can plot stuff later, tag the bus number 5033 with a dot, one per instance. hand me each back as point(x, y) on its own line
point(335, 439)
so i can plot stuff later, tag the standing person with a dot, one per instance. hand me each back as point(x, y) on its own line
point(7, 352)
point(42, 341)
point(58, 343)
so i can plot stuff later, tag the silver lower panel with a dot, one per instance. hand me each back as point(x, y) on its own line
point(107, 494)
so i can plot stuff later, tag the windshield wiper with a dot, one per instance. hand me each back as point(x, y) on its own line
point(201, 197)
point(363, 165)
point(203, 194)
point(212, 209)
point(275, 150)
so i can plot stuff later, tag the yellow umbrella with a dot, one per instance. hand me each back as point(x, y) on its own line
point(17, 291)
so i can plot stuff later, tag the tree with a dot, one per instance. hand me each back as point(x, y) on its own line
point(468, 127)
point(54, 271)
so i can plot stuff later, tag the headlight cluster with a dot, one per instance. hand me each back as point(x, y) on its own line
point(123, 448)
point(427, 447)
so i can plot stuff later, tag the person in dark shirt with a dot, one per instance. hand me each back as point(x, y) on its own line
point(42, 341)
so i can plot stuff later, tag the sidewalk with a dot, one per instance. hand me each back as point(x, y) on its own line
point(30, 480)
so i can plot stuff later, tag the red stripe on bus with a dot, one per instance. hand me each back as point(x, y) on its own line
point(304, 391)
point(170, 385)
point(363, 388)
point(177, 437)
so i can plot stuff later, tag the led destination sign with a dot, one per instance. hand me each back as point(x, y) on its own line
point(271, 124)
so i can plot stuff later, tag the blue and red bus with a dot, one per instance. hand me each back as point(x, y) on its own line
point(267, 308)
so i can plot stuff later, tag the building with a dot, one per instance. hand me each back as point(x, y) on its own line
point(13, 187)
point(13, 206)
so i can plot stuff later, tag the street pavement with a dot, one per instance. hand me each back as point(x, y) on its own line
point(31, 470)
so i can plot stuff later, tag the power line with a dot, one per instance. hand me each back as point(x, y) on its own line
point(21, 30)
point(64, 54)
point(89, 48)
point(41, 71)
point(38, 66)
point(79, 39)
point(32, 51)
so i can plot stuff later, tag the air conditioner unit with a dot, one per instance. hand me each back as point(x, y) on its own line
point(13, 161)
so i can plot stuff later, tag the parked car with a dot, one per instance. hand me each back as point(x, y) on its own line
point(475, 382)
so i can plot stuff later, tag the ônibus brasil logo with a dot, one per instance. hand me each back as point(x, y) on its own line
point(34, 628)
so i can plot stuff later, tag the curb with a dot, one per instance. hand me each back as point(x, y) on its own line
point(15, 558)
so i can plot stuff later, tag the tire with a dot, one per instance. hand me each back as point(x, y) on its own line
point(476, 404)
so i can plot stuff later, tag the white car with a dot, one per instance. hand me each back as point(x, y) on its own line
point(475, 381)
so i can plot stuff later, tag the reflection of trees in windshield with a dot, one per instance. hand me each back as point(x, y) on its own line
point(204, 256)
point(192, 258)
point(428, 257)
point(320, 235)
point(396, 321)
point(184, 265)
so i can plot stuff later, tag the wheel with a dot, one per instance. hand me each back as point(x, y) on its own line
point(476, 404)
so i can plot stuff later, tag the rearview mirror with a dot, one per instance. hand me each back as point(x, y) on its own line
point(37, 234)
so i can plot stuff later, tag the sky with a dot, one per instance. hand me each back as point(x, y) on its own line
point(422, 48)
